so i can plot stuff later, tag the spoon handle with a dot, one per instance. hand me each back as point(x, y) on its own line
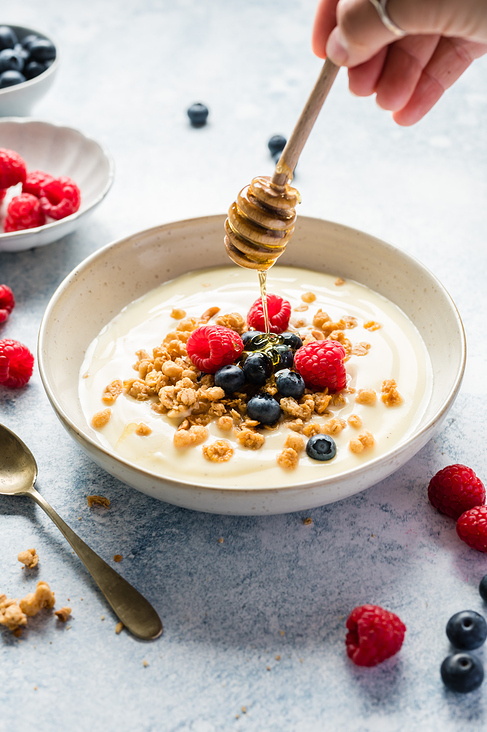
point(135, 612)
point(292, 151)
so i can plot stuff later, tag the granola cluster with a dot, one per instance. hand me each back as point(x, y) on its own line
point(14, 613)
point(177, 389)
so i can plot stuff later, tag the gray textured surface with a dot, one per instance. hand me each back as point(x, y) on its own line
point(274, 587)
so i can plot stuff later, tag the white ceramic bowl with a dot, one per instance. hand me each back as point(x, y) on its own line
point(18, 100)
point(125, 270)
point(57, 150)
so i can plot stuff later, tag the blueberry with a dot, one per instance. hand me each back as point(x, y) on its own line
point(321, 447)
point(282, 357)
point(257, 368)
point(42, 50)
point(264, 409)
point(261, 341)
point(248, 336)
point(11, 78)
point(483, 588)
point(10, 60)
point(33, 69)
point(466, 630)
point(292, 340)
point(290, 383)
point(8, 39)
point(462, 672)
point(230, 378)
point(198, 114)
point(276, 144)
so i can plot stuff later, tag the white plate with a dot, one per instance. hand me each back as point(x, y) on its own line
point(114, 276)
point(57, 150)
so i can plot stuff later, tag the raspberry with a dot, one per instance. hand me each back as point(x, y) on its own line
point(374, 634)
point(3, 193)
point(16, 364)
point(472, 528)
point(24, 212)
point(35, 181)
point(322, 365)
point(455, 489)
point(12, 168)
point(212, 346)
point(279, 312)
point(60, 197)
point(7, 302)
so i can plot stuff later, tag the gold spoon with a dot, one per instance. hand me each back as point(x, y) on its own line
point(18, 473)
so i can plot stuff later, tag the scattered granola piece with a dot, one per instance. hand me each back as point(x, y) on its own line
point(234, 321)
point(100, 419)
point(312, 428)
point(372, 325)
point(339, 282)
point(288, 459)
point(29, 558)
point(219, 451)
point(334, 426)
point(118, 628)
point(295, 441)
point(195, 435)
point(250, 439)
point(308, 297)
point(33, 602)
point(301, 308)
point(225, 423)
point(11, 615)
point(363, 441)
point(98, 501)
point(220, 540)
point(63, 614)
point(112, 392)
point(208, 314)
point(145, 663)
point(307, 521)
point(143, 429)
point(117, 558)
point(360, 349)
point(390, 395)
point(178, 313)
point(366, 396)
point(355, 446)
point(354, 421)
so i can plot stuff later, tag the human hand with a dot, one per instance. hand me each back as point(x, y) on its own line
point(408, 74)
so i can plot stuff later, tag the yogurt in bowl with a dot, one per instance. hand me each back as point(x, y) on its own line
point(119, 301)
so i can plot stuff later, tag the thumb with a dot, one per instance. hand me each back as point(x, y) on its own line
point(360, 34)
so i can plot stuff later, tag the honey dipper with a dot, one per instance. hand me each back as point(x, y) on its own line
point(261, 221)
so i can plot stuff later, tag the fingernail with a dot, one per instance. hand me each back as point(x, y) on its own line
point(336, 48)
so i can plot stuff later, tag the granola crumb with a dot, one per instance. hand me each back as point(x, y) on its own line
point(143, 429)
point(311, 429)
point(29, 558)
point(334, 426)
point(220, 540)
point(145, 663)
point(308, 297)
point(288, 459)
point(363, 441)
point(390, 395)
point(117, 557)
point(360, 349)
point(301, 308)
point(354, 421)
point(372, 325)
point(250, 439)
point(178, 313)
point(195, 435)
point(339, 281)
point(307, 521)
point(355, 446)
point(98, 501)
point(119, 627)
point(112, 392)
point(101, 419)
point(225, 423)
point(63, 614)
point(219, 451)
point(366, 396)
point(33, 602)
point(234, 321)
point(295, 441)
point(11, 615)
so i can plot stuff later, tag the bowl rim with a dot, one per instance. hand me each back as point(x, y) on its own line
point(12, 235)
point(356, 472)
point(45, 74)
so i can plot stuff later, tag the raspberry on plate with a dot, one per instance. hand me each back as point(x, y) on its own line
point(16, 364)
point(455, 489)
point(12, 168)
point(60, 197)
point(278, 310)
point(24, 212)
point(472, 528)
point(7, 302)
point(374, 634)
point(212, 346)
point(35, 182)
point(322, 365)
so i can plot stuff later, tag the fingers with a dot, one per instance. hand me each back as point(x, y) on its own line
point(325, 21)
point(359, 33)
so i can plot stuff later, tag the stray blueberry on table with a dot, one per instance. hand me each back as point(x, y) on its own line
point(467, 630)
point(483, 588)
point(230, 378)
point(321, 447)
point(264, 409)
point(257, 368)
point(198, 114)
point(290, 384)
point(276, 144)
point(462, 672)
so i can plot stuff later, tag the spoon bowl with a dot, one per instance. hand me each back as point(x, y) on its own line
point(18, 473)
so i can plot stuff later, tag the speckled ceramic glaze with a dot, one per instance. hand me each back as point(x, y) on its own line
point(121, 272)
point(19, 100)
point(59, 151)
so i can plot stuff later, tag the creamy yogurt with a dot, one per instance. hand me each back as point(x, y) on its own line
point(396, 352)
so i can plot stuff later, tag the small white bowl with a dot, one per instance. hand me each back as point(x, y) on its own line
point(18, 100)
point(59, 151)
point(127, 269)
